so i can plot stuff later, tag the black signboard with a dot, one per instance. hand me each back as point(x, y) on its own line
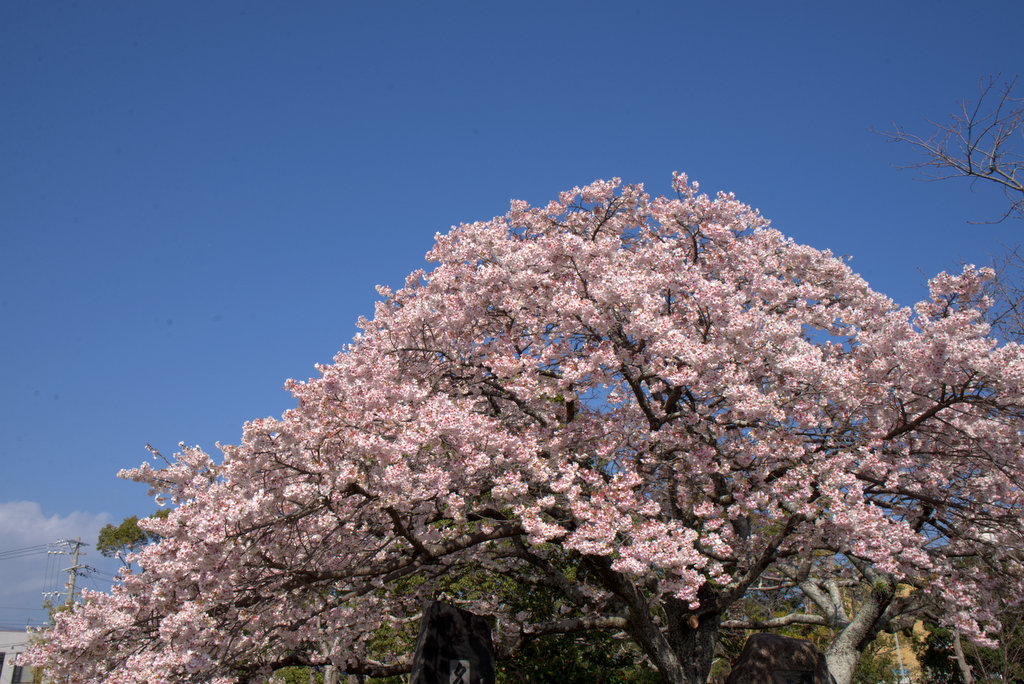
point(454, 647)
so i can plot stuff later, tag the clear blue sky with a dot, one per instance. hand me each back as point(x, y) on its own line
point(197, 199)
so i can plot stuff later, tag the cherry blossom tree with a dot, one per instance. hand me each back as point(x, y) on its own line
point(643, 407)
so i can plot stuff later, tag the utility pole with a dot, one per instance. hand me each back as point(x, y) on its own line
point(76, 569)
point(73, 572)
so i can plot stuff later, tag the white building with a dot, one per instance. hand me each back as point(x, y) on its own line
point(11, 671)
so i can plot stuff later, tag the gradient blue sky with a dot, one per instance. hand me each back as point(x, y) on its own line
point(197, 199)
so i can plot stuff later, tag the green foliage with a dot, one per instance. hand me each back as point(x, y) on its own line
point(397, 679)
point(125, 538)
point(300, 675)
point(935, 653)
point(589, 658)
point(296, 675)
point(877, 663)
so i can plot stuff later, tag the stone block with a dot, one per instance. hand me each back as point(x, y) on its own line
point(775, 659)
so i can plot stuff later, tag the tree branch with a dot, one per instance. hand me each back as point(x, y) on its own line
point(772, 623)
point(978, 143)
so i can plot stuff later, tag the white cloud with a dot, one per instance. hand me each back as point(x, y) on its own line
point(24, 577)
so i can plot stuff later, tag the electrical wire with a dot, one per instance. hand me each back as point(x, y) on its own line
point(23, 552)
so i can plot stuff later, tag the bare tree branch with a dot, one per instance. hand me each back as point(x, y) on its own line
point(1007, 292)
point(771, 623)
point(982, 141)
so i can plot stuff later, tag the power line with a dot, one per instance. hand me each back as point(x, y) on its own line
point(66, 547)
point(24, 551)
point(49, 576)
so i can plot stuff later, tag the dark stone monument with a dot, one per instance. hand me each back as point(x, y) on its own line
point(775, 659)
point(454, 647)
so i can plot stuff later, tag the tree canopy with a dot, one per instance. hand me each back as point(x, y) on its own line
point(641, 406)
point(122, 539)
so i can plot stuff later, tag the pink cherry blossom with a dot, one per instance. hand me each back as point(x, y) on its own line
point(642, 405)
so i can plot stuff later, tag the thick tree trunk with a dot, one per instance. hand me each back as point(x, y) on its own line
point(693, 636)
point(683, 652)
point(683, 648)
point(873, 615)
point(841, 663)
point(691, 649)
